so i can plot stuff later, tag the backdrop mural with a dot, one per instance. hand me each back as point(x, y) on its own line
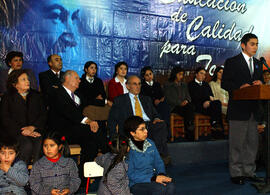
point(160, 33)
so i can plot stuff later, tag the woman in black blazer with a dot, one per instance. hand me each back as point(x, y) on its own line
point(91, 87)
point(23, 115)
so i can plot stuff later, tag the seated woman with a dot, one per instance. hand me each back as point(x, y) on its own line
point(219, 93)
point(153, 89)
point(23, 115)
point(117, 85)
point(91, 87)
point(14, 60)
point(204, 102)
point(146, 171)
point(177, 95)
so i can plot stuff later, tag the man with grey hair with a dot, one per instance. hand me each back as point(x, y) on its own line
point(65, 116)
point(133, 103)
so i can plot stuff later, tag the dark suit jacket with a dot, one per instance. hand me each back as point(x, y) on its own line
point(122, 109)
point(91, 90)
point(4, 77)
point(199, 94)
point(236, 73)
point(16, 113)
point(154, 91)
point(64, 114)
point(48, 79)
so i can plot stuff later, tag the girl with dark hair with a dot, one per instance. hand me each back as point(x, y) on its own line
point(177, 96)
point(146, 170)
point(117, 85)
point(13, 172)
point(219, 93)
point(91, 87)
point(153, 89)
point(23, 115)
point(115, 179)
point(54, 173)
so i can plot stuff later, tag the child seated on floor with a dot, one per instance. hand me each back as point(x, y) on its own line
point(115, 179)
point(13, 172)
point(54, 173)
point(146, 171)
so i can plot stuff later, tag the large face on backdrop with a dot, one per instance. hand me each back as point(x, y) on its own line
point(161, 33)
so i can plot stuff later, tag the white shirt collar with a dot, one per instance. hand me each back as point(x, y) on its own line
point(247, 57)
point(90, 79)
point(199, 82)
point(68, 91)
point(55, 72)
point(10, 70)
point(150, 83)
point(118, 81)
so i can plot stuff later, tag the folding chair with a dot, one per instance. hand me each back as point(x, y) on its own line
point(91, 169)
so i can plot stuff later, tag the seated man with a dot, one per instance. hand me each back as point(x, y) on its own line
point(65, 116)
point(14, 60)
point(146, 171)
point(132, 103)
point(203, 100)
point(52, 77)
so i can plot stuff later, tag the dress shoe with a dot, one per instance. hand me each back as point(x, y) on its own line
point(238, 180)
point(255, 179)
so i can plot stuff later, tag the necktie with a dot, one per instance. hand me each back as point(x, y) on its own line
point(250, 66)
point(73, 98)
point(57, 75)
point(138, 109)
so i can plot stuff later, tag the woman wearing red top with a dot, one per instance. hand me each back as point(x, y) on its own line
point(117, 85)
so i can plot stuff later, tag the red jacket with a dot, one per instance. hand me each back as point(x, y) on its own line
point(114, 89)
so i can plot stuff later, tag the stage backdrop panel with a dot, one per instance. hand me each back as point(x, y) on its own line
point(159, 33)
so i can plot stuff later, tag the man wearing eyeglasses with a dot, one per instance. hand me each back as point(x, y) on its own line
point(134, 104)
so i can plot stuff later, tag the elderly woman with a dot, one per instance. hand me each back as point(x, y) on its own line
point(23, 115)
point(117, 85)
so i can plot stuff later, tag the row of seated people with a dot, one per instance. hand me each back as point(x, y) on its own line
point(67, 99)
point(132, 166)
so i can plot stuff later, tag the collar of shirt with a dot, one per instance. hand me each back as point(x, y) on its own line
point(118, 81)
point(199, 82)
point(247, 59)
point(55, 72)
point(150, 83)
point(77, 99)
point(90, 79)
point(125, 90)
point(10, 70)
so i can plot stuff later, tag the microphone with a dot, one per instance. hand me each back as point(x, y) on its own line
point(263, 61)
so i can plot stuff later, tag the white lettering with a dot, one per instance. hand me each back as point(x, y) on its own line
point(177, 49)
point(228, 6)
point(209, 31)
point(175, 16)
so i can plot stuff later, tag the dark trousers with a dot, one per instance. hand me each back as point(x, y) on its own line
point(186, 111)
point(214, 111)
point(158, 133)
point(163, 110)
point(29, 149)
point(153, 188)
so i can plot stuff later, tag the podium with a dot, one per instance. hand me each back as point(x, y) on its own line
point(259, 92)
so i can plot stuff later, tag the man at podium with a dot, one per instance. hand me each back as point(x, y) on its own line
point(242, 71)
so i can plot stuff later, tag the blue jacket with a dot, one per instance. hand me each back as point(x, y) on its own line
point(143, 165)
point(15, 179)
